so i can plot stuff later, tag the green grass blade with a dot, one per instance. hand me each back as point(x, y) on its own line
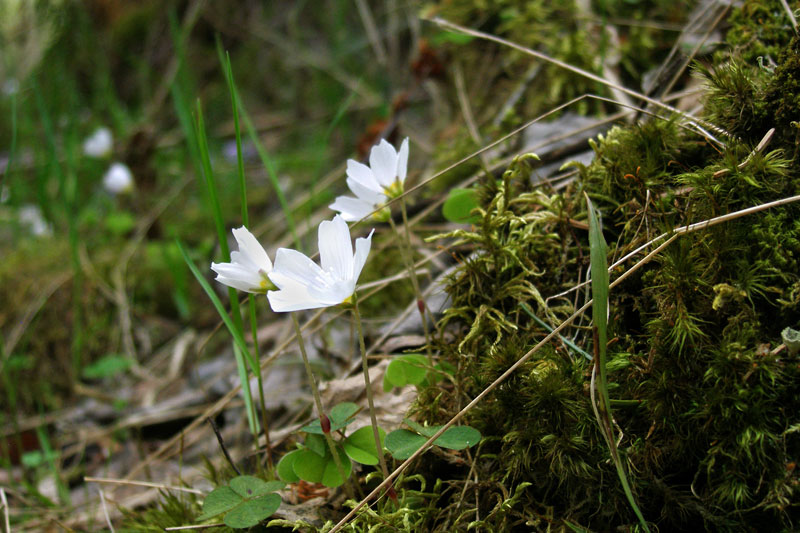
point(574, 347)
point(12, 151)
point(234, 329)
point(237, 130)
point(266, 160)
point(598, 252)
point(241, 367)
point(238, 338)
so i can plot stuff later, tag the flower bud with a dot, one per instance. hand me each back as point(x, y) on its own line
point(325, 422)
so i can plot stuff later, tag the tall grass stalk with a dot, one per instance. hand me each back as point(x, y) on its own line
point(236, 332)
point(252, 133)
point(219, 223)
point(246, 221)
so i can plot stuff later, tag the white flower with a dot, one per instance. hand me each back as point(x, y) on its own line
point(118, 179)
point(99, 143)
point(31, 216)
point(303, 284)
point(249, 266)
point(373, 185)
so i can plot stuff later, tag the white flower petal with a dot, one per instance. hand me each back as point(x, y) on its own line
point(366, 194)
point(248, 267)
point(99, 143)
point(118, 179)
point(292, 296)
point(335, 293)
point(352, 209)
point(402, 161)
point(234, 275)
point(237, 284)
point(361, 174)
point(362, 251)
point(295, 266)
point(335, 248)
point(252, 249)
point(383, 163)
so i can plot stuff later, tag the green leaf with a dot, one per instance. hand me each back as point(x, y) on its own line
point(406, 369)
point(317, 444)
point(455, 438)
point(247, 501)
point(360, 446)
point(252, 487)
point(331, 477)
point(458, 438)
point(107, 366)
point(402, 443)
point(251, 512)
point(340, 416)
point(311, 467)
point(459, 205)
point(286, 467)
point(220, 500)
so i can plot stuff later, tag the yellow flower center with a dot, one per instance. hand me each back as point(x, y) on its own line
point(394, 190)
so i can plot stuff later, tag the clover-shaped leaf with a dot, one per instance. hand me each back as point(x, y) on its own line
point(459, 205)
point(246, 501)
point(360, 445)
point(286, 466)
point(314, 468)
point(404, 370)
point(402, 443)
point(340, 415)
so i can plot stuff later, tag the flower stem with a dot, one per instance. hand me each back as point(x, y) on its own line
point(370, 402)
point(318, 401)
point(257, 370)
point(408, 257)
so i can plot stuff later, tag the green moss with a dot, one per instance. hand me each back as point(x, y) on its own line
point(706, 405)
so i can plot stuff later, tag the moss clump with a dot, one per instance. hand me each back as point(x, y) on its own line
point(706, 399)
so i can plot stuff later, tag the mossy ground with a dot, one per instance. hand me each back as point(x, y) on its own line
point(705, 404)
point(704, 400)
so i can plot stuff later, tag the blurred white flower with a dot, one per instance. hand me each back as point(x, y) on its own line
point(373, 185)
point(99, 143)
point(11, 87)
point(249, 266)
point(303, 284)
point(118, 179)
point(30, 215)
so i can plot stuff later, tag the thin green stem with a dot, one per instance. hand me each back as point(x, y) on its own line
point(258, 372)
point(408, 255)
point(368, 385)
point(318, 402)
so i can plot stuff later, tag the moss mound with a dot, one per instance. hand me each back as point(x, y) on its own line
point(705, 397)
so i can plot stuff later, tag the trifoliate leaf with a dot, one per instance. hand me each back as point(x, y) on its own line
point(251, 512)
point(360, 446)
point(404, 370)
